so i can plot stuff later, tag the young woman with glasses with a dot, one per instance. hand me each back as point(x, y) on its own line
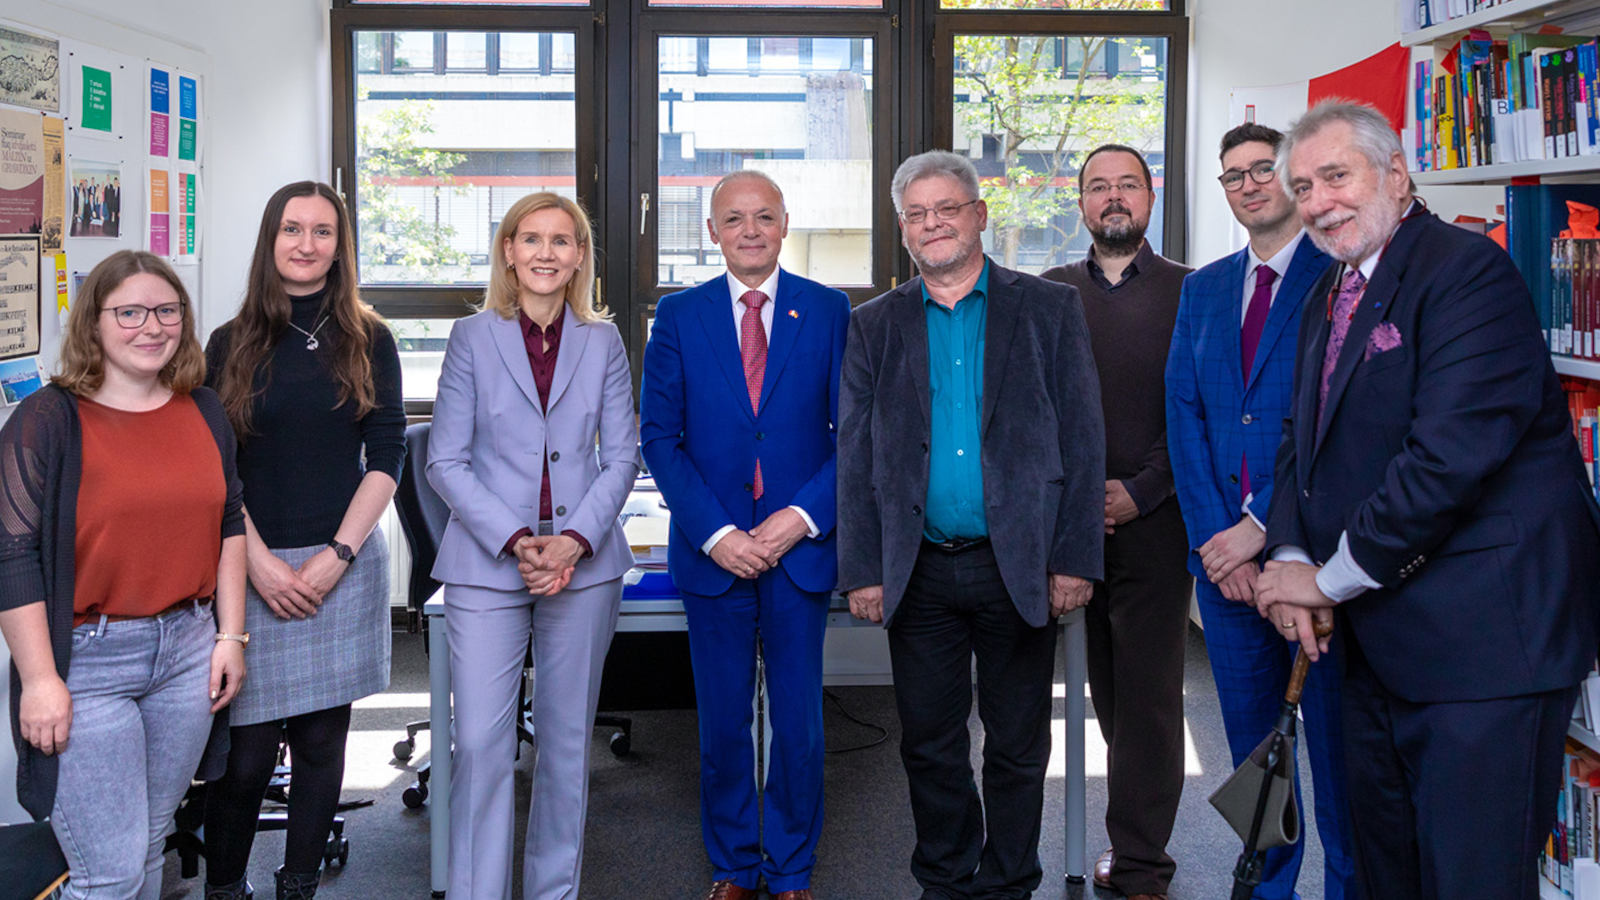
point(122, 570)
point(310, 379)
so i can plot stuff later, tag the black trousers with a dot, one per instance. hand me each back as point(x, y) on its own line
point(1450, 800)
point(956, 607)
point(1136, 624)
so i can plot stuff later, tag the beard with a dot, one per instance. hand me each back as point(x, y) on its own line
point(1373, 223)
point(1122, 238)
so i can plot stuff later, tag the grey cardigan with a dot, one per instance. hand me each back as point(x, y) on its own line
point(41, 462)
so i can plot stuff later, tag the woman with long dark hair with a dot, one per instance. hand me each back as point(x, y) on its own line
point(310, 379)
point(120, 525)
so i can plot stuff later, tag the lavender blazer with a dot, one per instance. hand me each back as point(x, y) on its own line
point(491, 437)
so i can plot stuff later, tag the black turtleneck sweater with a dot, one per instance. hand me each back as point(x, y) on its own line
point(304, 458)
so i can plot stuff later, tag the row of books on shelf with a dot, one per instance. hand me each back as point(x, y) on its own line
point(1528, 97)
point(1426, 13)
point(1583, 398)
point(1571, 858)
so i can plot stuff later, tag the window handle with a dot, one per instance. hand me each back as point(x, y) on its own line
point(644, 211)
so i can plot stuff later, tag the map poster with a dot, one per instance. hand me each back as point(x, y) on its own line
point(95, 114)
point(55, 184)
point(19, 295)
point(22, 162)
point(30, 70)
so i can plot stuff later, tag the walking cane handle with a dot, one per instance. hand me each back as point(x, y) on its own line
point(1302, 667)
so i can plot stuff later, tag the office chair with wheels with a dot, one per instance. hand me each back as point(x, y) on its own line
point(31, 864)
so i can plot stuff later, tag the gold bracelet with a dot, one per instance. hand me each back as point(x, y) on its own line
point(243, 639)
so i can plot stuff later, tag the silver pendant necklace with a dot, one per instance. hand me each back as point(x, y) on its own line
point(311, 336)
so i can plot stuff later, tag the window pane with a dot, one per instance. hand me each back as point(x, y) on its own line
point(519, 51)
point(421, 343)
point(466, 51)
point(413, 51)
point(369, 52)
point(806, 124)
point(439, 158)
point(1027, 110)
point(1075, 5)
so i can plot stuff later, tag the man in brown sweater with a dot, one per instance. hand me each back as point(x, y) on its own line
point(1138, 616)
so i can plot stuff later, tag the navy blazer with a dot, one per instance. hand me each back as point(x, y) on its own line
point(700, 437)
point(1043, 440)
point(1215, 415)
point(1446, 452)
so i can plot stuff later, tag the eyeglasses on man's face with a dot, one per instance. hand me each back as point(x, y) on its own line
point(916, 215)
point(1261, 173)
point(1101, 189)
point(134, 315)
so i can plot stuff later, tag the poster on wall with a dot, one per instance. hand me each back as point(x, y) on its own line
point(94, 110)
point(22, 161)
point(186, 199)
point(18, 379)
point(188, 117)
point(157, 234)
point(19, 295)
point(96, 199)
point(160, 111)
point(55, 184)
point(31, 71)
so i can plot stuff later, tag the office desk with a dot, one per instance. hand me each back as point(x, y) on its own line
point(666, 614)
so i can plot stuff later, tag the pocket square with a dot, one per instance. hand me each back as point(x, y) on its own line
point(1384, 338)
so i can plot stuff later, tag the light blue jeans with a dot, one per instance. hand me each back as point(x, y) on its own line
point(141, 714)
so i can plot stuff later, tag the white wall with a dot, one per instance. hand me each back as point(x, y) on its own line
point(266, 99)
point(1249, 43)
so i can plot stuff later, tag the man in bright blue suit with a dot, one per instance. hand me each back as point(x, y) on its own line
point(737, 410)
point(1229, 378)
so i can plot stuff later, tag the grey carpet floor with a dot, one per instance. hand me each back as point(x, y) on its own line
point(643, 835)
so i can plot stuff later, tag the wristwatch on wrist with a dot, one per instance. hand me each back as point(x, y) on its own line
point(343, 551)
point(243, 639)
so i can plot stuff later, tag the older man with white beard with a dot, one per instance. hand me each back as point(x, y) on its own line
point(1139, 614)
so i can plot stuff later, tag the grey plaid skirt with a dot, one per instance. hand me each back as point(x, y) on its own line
point(337, 656)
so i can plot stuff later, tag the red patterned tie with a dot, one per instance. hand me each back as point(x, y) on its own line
point(753, 350)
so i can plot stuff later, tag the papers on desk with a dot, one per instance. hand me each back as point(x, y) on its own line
point(646, 525)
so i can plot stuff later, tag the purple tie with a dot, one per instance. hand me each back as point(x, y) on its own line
point(1255, 318)
point(1344, 309)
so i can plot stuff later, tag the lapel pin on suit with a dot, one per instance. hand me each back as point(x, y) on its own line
point(793, 314)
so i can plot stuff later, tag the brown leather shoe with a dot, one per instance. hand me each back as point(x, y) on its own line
point(802, 894)
point(727, 890)
point(1102, 870)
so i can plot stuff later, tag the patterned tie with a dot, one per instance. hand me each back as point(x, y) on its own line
point(1255, 319)
point(1344, 310)
point(753, 350)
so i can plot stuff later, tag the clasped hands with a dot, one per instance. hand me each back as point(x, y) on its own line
point(1067, 593)
point(546, 562)
point(1230, 560)
point(294, 593)
point(747, 554)
point(1287, 595)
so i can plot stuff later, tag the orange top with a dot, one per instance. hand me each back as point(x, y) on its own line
point(149, 509)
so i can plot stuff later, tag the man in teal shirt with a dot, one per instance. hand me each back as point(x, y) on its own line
point(971, 486)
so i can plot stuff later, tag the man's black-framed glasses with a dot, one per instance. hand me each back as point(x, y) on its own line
point(944, 211)
point(133, 315)
point(1261, 173)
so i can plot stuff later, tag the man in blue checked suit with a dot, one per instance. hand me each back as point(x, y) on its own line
point(1229, 381)
point(737, 421)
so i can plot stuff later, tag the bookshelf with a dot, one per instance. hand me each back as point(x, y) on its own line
point(1513, 14)
point(1584, 736)
point(1504, 172)
point(1577, 368)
